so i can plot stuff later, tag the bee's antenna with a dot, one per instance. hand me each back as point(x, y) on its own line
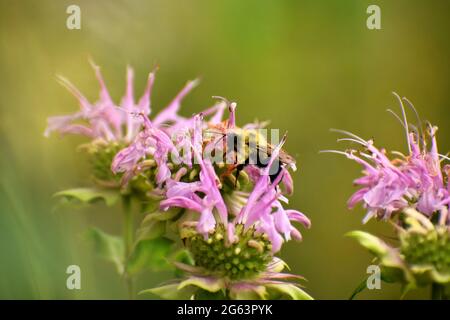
point(230, 104)
point(134, 114)
point(122, 109)
point(222, 99)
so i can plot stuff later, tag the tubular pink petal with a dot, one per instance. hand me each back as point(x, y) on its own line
point(295, 215)
point(206, 222)
point(181, 202)
point(104, 94)
point(145, 101)
point(84, 103)
point(170, 112)
point(128, 99)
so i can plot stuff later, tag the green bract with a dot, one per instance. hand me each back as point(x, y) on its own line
point(101, 154)
point(240, 260)
point(427, 254)
point(422, 257)
point(198, 284)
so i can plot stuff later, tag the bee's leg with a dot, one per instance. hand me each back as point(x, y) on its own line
point(239, 168)
point(228, 172)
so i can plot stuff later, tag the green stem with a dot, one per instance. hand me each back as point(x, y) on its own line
point(128, 241)
point(437, 291)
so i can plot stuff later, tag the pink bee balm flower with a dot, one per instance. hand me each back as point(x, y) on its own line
point(108, 121)
point(186, 195)
point(263, 210)
point(270, 283)
point(391, 185)
point(163, 143)
point(424, 166)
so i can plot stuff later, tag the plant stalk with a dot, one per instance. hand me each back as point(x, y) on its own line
point(437, 291)
point(128, 241)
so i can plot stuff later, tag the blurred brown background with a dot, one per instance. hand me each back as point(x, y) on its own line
point(305, 65)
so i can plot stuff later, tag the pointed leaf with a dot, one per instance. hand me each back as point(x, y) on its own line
point(89, 195)
point(375, 245)
point(290, 290)
point(108, 247)
point(392, 275)
point(149, 254)
point(388, 256)
point(388, 275)
point(171, 292)
point(248, 292)
point(427, 274)
point(163, 215)
point(210, 284)
point(181, 256)
point(150, 230)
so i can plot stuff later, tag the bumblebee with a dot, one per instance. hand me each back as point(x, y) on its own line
point(243, 147)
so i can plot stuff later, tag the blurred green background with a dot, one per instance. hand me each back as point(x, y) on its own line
point(305, 65)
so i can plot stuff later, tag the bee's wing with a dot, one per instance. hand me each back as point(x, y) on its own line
point(266, 148)
point(283, 156)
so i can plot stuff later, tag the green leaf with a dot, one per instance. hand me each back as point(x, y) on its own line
point(388, 275)
point(290, 290)
point(89, 195)
point(375, 245)
point(108, 247)
point(427, 274)
point(163, 215)
point(154, 225)
point(392, 275)
point(182, 256)
point(171, 292)
point(201, 294)
point(388, 256)
point(210, 284)
point(255, 292)
point(151, 254)
point(151, 229)
point(149, 205)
